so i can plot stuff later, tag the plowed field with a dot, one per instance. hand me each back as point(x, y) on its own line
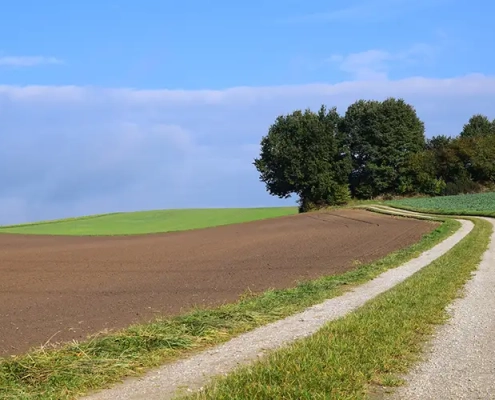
point(61, 288)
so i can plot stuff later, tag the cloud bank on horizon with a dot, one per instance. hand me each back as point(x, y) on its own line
point(68, 151)
point(70, 148)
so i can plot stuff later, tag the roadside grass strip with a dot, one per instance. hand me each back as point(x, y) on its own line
point(80, 367)
point(366, 352)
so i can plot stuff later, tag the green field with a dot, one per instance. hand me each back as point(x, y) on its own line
point(466, 204)
point(148, 221)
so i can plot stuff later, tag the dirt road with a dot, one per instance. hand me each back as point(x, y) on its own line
point(460, 360)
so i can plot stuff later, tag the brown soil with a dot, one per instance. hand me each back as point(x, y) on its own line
point(56, 288)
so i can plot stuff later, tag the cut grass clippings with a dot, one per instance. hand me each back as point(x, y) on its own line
point(368, 349)
point(76, 369)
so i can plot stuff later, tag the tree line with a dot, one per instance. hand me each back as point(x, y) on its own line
point(376, 149)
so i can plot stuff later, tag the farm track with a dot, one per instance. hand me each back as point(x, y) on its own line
point(193, 372)
point(63, 288)
point(460, 360)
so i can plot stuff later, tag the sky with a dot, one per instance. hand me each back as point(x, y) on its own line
point(127, 105)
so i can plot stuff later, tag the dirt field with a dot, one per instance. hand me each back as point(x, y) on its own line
point(63, 288)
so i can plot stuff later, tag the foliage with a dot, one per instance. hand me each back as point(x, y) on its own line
point(377, 149)
point(465, 164)
point(461, 186)
point(302, 154)
point(381, 136)
point(420, 175)
point(478, 125)
point(479, 156)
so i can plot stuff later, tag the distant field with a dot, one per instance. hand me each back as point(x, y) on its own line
point(149, 221)
point(473, 204)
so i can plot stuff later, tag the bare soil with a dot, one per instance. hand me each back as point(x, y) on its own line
point(56, 289)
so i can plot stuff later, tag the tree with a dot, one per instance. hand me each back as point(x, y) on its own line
point(438, 143)
point(464, 163)
point(303, 154)
point(381, 136)
point(478, 125)
point(446, 158)
point(477, 154)
point(420, 175)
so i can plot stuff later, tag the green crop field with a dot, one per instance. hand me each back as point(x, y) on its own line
point(149, 221)
point(466, 204)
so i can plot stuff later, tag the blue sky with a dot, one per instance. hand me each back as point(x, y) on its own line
point(126, 105)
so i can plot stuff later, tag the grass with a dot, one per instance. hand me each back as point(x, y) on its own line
point(368, 349)
point(148, 221)
point(480, 204)
point(74, 369)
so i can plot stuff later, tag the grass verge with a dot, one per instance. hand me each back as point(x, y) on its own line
point(75, 369)
point(368, 349)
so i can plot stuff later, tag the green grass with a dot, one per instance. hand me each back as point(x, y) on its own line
point(481, 204)
point(75, 369)
point(149, 221)
point(368, 349)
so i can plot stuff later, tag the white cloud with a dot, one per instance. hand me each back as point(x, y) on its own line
point(376, 64)
point(27, 61)
point(72, 150)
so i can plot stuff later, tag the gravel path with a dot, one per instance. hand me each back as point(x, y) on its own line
point(192, 373)
point(461, 359)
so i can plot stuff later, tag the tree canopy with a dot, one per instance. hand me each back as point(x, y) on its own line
point(380, 136)
point(377, 148)
point(301, 154)
point(478, 125)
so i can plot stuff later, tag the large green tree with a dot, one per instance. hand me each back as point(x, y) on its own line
point(381, 136)
point(303, 154)
point(478, 125)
